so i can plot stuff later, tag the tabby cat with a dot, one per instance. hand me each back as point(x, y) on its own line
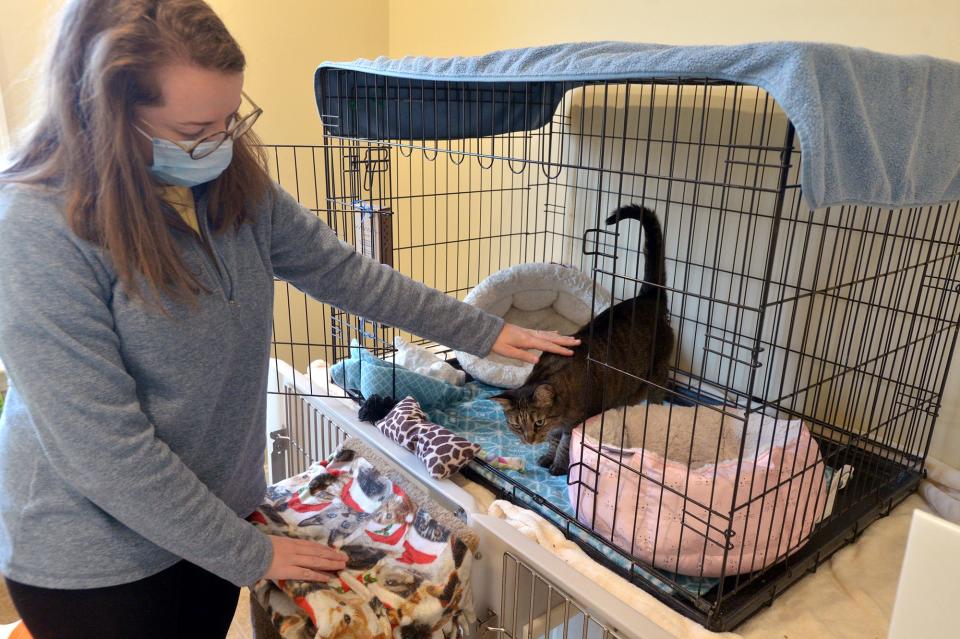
point(634, 340)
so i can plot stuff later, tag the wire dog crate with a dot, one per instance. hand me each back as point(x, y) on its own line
point(844, 318)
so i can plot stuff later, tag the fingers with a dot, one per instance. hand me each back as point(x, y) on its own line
point(304, 559)
point(309, 554)
point(522, 355)
point(293, 571)
point(550, 347)
point(557, 338)
point(515, 342)
point(553, 342)
point(312, 548)
point(305, 574)
point(319, 563)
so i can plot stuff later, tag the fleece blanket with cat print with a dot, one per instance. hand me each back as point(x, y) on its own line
point(408, 567)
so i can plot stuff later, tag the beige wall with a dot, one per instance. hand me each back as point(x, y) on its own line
point(467, 27)
point(284, 40)
point(23, 29)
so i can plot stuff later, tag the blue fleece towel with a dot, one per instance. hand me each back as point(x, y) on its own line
point(874, 128)
point(373, 376)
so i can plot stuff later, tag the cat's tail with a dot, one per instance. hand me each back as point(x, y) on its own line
point(655, 269)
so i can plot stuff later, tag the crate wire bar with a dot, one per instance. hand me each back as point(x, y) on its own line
point(532, 607)
point(843, 317)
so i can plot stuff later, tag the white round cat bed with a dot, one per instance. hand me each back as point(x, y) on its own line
point(548, 297)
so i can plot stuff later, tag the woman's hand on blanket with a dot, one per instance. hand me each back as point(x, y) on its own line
point(515, 341)
point(302, 559)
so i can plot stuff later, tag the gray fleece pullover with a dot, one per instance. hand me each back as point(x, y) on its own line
point(130, 439)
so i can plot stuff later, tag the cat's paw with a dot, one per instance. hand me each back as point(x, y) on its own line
point(546, 460)
point(558, 469)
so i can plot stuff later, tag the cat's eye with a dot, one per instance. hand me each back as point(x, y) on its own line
point(540, 422)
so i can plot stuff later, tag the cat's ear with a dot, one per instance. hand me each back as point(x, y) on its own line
point(505, 401)
point(543, 395)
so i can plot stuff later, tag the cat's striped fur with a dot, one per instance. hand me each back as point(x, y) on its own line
point(632, 340)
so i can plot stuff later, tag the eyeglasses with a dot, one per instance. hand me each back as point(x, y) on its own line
point(238, 128)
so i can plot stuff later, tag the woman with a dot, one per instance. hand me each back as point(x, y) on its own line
point(139, 238)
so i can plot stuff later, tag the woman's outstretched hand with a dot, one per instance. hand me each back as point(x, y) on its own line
point(303, 559)
point(515, 341)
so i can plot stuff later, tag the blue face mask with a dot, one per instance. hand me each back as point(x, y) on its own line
point(173, 165)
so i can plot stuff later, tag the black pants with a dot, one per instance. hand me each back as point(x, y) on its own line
point(183, 601)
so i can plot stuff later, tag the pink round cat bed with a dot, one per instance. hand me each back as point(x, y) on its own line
point(549, 297)
point(642, 500)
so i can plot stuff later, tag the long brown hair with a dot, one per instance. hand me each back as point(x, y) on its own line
point(101, 65)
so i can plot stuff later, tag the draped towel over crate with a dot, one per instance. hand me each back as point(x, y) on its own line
point(874, 128)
